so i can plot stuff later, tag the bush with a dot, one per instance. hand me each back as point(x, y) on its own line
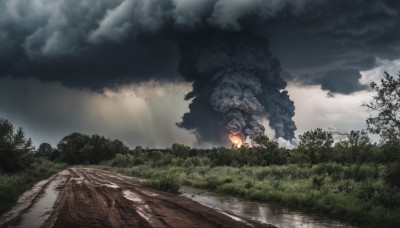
point(122, 160)
point(13, 185)
point(168, 182)
point(317, 182)
point(212, 182)
point(393, 174)
point(355, 192)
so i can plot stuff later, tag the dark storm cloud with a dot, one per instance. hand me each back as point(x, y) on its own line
point(103, 65)
point(103, 43)
point(96, 43)
point(341, 81)
point(322, 44)
point(82, 44)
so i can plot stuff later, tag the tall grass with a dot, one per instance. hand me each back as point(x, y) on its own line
point(356, 193)
point(13, 185)
point(165, 181)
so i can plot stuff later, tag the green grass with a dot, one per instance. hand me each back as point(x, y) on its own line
point(13, 185)
point(165, 181)
point(355, 193)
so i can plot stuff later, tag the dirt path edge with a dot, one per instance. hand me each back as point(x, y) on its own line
point(25, 201)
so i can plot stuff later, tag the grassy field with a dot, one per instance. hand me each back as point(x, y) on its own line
point(355, 193)
point(13, 185)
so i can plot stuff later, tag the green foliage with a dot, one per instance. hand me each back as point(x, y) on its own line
point(196, 161)
point(389, 152)
point(393, 174)
point(353, 179)
point(77, 148)
point(356, 149)
point(212, 182)
point(387, 106)
point(317, 182)
point(262, 141)
point(267, 151)
point(13, 185)
point(15, 149)
point(122, 160)
point(165, 181)
point(353, 192)
point(316, 144)
point(45, 150)
point(180, 150)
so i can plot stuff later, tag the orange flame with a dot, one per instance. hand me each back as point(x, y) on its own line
point(236, 140)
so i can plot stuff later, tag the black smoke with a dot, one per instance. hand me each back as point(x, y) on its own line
point(234, 78)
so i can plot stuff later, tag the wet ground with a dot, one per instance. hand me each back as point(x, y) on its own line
point(82, 197)
point(263, 212)
point(40, 211)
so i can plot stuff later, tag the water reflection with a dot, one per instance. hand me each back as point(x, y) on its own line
point(36, 215)
point(263, 212)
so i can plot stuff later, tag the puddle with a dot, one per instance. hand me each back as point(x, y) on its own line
point(132, 196)
point(262, 212)
point(40, 211)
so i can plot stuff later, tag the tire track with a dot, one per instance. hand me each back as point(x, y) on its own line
point(96, 198)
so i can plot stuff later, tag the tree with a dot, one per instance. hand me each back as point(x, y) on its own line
point(386, 103)
point(45, 150)
point(71, 148)
point(316, 144)
point(393, 174)
point(77, 148)
point(15, 149)
point(263, 141)
point(267, 151)
point(180, 150)
point(357, 147)
point(222, 156)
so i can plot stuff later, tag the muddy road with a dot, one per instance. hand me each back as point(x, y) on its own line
point(96, 198)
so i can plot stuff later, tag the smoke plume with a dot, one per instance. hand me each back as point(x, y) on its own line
point(235, 78)
point(94, 44)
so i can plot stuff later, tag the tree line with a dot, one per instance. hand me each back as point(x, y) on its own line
point(315, 146)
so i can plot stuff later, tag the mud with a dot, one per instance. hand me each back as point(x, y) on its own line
point(24, 202)
point(96, 198)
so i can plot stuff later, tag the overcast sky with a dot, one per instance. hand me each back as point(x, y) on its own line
point(109, 67)
point(145, 114)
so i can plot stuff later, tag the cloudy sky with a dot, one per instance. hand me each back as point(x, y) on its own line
point(109, 67)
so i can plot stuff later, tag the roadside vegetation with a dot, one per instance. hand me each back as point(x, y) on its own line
point(12, 185)
point(362, 193)
point(353, 179)
point(20, 166)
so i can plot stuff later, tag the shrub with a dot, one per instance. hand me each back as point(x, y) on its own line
point(122, 160)
point(168, 182)
point(212, 182)
point(393, 174)
point(12, 185)
point(317, 182)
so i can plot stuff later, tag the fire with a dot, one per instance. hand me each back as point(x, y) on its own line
point(236, 140)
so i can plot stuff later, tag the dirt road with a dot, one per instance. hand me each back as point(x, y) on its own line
point(95, 198)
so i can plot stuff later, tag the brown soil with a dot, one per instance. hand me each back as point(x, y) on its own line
point(96, 198)
point(24, 202)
